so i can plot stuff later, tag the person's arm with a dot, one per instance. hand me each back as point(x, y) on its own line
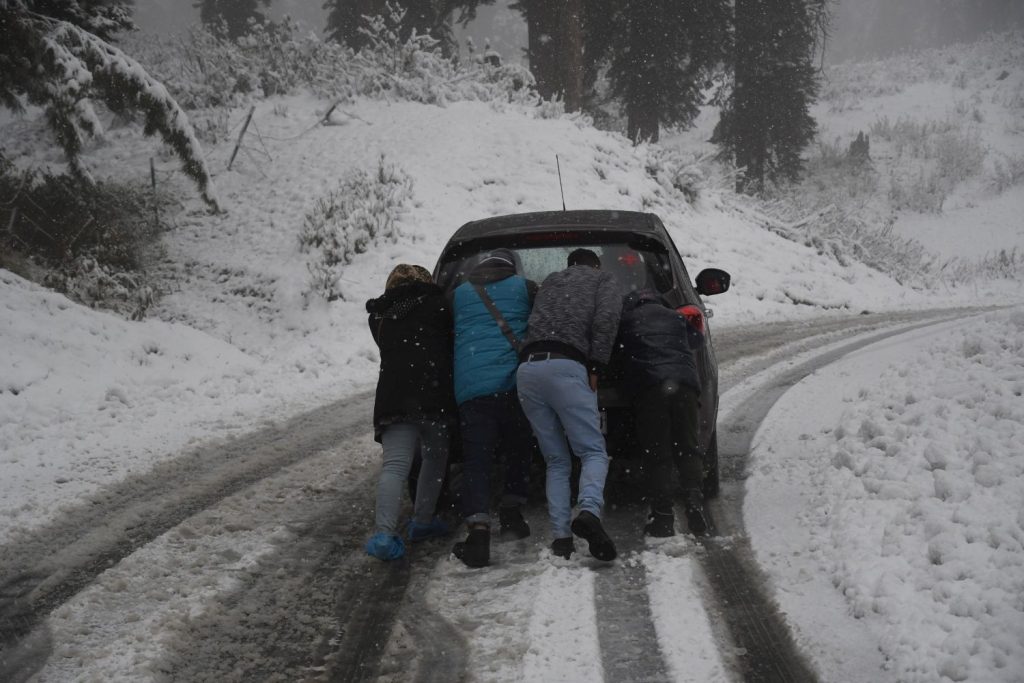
point(608, 309)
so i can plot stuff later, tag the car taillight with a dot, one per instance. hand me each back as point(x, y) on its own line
point(693, 316)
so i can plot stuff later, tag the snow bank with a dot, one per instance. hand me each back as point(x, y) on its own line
point(905, 487)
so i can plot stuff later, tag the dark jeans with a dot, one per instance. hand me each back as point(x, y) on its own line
point(485, 423)
point(666, 431)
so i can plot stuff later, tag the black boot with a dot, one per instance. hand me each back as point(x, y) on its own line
point(563, 547)
point(475, 551)
point(696, 516)
point(512, 524)
point(661, 523)
point(588, 527)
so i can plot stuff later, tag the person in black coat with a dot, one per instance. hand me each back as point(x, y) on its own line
point(414, 407)
point(655, 347)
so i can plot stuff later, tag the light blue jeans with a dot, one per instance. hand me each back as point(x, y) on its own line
point(401, 441)
point(560, 405)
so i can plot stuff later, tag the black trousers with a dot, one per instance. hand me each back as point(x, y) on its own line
point(667, 417)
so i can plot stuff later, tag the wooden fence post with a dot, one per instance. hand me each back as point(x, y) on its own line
point(241, 135)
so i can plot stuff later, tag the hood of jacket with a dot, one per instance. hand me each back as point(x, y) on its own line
point(636, 299)
point(399, 301)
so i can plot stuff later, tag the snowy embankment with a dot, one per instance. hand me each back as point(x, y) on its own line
point(889, 487)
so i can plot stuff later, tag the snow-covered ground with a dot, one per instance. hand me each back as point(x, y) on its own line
point(905, 508)
point(886, 500)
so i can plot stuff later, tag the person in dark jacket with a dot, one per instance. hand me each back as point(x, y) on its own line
point(414, 409)
point(571, 333)
point(485, 390)
point(655, 346)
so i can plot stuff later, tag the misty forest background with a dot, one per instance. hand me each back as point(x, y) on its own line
point(642, 68)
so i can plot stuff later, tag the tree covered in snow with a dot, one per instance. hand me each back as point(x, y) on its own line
point(660, 54)
point(51, 57)
point(766, 121)
point(346, 18)
point(232, 18)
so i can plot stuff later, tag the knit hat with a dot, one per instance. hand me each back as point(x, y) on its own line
point(405, 273)
point(499, 255)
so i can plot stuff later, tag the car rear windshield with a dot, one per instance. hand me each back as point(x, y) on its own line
point(635, 263)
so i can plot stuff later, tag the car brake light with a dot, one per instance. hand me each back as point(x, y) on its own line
point(694, 316)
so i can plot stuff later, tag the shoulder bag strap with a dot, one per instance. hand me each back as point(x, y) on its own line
point(498, 317)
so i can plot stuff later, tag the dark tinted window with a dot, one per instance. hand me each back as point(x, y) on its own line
point(634, 264)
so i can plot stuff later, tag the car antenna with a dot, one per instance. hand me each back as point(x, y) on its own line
point(560, 188)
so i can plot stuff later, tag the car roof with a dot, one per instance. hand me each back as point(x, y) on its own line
point(611, 220)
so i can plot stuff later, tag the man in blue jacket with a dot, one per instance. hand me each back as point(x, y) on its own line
point(660, 379)
point(489, 412)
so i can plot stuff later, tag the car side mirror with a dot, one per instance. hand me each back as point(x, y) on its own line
point(712, 281)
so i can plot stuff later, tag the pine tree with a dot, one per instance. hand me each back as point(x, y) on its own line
point(231, 18)
point(660, 56)
point(766, 121)
point(50, 56)
point(425, 17)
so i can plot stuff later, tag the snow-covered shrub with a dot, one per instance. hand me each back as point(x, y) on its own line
point(943, 155)
point(1006, 173)
point(87, 238)
point(418, 70)
point(360, 214)
point(204, 70)
point(677, 172)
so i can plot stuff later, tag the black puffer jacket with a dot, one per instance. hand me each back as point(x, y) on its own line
point(655, 344)
point(412, 325)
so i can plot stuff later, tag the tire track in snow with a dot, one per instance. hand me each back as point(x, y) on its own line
point(761, 641)
point(50, 564)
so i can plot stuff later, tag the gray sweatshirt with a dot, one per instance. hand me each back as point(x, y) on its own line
point(578, 307)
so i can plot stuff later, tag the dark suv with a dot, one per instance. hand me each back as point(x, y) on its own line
point(637, 250)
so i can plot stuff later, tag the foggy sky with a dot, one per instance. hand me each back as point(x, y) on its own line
point(861, 28)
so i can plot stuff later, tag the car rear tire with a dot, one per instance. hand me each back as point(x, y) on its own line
point(711, 467)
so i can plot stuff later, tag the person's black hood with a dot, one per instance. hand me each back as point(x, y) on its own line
point(400, 299)
point(636, 299)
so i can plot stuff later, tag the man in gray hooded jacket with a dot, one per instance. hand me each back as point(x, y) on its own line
point(570, 337)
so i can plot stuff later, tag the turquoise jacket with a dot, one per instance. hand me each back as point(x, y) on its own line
point(485, 362)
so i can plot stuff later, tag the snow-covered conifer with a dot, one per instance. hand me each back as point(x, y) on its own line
point(53, 61)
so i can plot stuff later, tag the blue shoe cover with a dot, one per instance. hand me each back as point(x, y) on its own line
point(435, 528)
point(385, 546)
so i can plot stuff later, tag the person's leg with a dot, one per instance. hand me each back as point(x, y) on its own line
point(685, 420)
point(518, 435)
point(434, 440)
point(479, 428)
point(685, 415)
point(399, 442)
point(654, 437)
point(533, 385)
point(575, 403)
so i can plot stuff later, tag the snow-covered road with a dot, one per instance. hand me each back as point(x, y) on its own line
point(264, 577)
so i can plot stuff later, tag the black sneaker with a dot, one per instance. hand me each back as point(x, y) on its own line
point(475, 551)
point(661, 524)
point(563, 547)
point(511, 522)
point(696, 516)
point(588, 527)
